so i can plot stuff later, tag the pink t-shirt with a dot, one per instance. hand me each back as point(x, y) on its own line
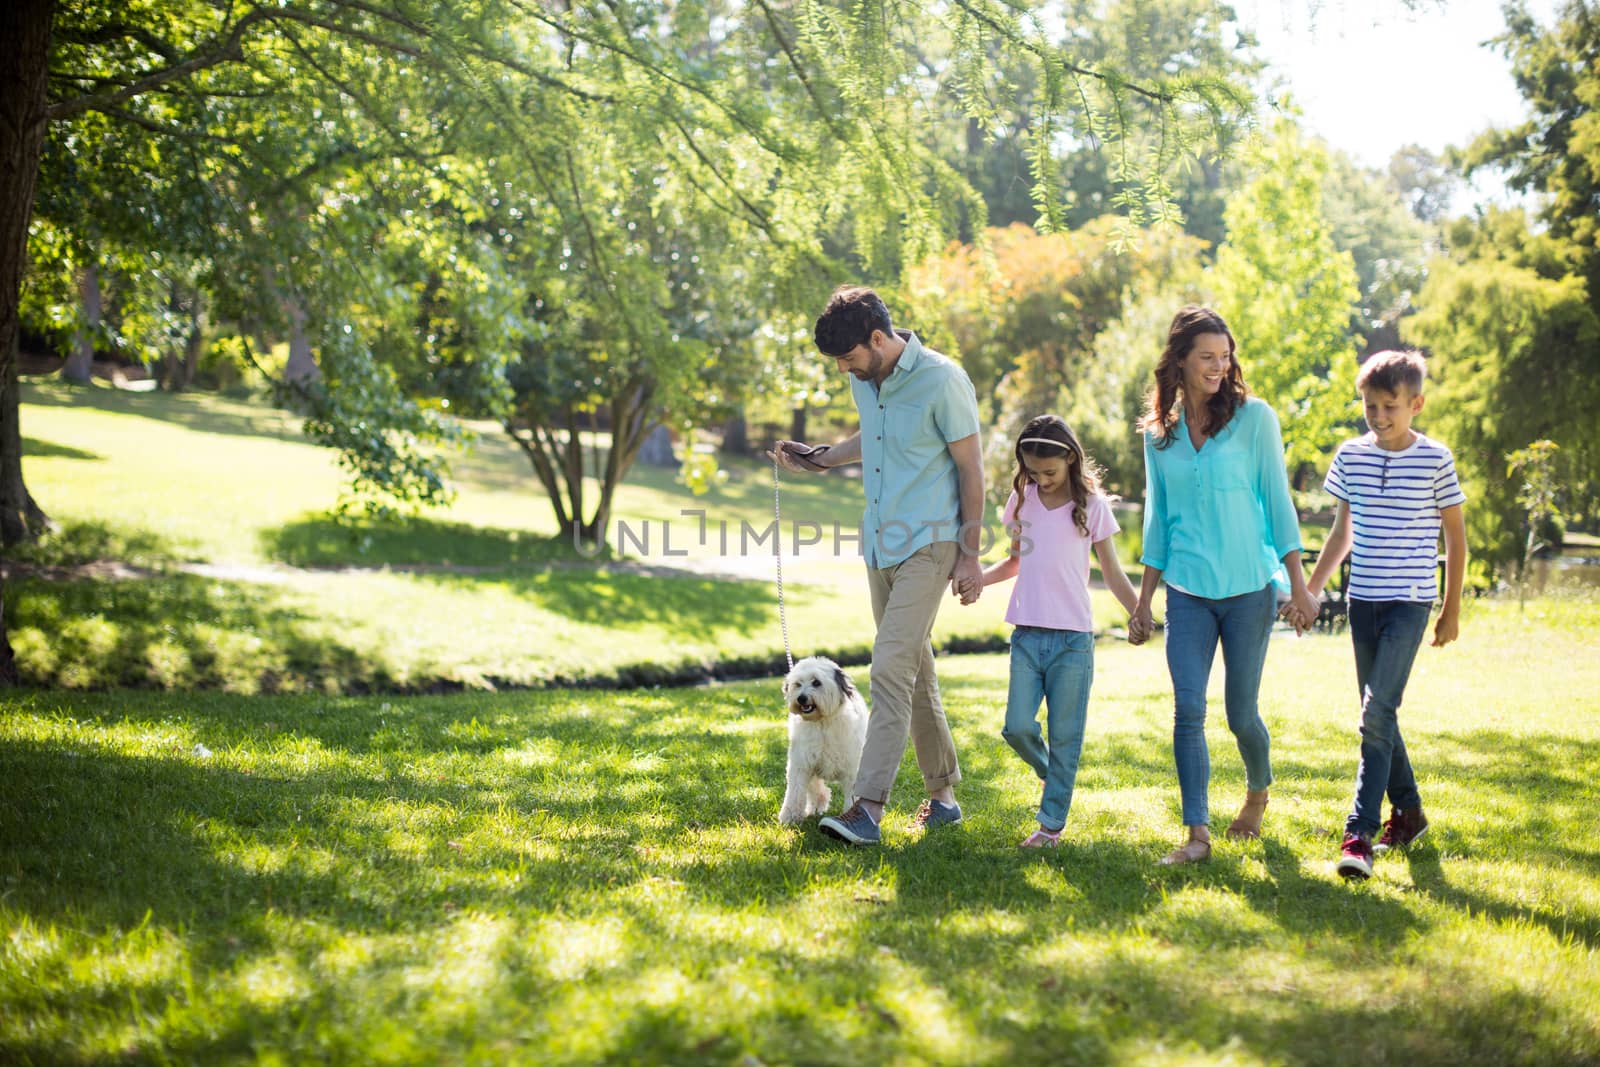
point(1052, 585)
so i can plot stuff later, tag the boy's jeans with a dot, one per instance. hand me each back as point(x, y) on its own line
point(1194, 626)
point(1056, 666)
point(1386, 634)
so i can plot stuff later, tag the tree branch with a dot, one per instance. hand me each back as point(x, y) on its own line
point(1052, 56)
point(755, 212)
point(118, 31)
point(655, 70)
point(221, 52)
point(165, 130)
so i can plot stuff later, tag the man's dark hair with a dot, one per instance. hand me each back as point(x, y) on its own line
point(853, 312)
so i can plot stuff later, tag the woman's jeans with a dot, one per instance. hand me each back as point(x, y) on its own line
point(1057, 667)
point(1194, 625)
point(1386, 634)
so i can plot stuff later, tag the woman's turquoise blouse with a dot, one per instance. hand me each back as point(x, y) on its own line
point(1217, 521)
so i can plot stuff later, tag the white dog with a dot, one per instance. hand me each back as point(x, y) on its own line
point(827, 727)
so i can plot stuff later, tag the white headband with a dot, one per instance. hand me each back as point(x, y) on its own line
point(1044, 441)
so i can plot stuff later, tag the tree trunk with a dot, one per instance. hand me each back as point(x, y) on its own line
point(25, 24)
point(177, 371)
point(736, 436)
point(79, 368)
point(302, 367)
point(797, 424)
point(191, 346)
point(9, 676)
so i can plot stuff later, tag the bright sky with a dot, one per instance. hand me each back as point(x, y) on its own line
point(1374, 75)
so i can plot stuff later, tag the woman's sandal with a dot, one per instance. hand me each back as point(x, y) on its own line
point(1247, 827)
point(1194, 850)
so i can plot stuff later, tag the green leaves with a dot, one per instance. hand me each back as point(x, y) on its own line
point(1512, 363)
point(1288, 294)
point(538, 213)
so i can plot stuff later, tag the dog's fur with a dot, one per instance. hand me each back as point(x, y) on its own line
point(827, 727)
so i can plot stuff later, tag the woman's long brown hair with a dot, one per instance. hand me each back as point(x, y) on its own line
point(1187, 325)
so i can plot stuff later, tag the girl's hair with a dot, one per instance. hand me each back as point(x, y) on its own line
point(1189, 324)
point(1049, 437)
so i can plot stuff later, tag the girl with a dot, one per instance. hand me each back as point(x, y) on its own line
point(1220, 527)
point(1055, 512)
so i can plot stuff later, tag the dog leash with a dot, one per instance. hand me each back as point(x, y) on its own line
point(777, 556)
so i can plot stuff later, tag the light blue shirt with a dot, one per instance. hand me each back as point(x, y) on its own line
point(907, 423)
point(1217, 521)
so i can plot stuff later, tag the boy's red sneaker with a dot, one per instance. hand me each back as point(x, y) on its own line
point(1405, 825)
point(1355, 858)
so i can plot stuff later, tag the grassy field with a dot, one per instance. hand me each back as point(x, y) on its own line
point(245, 860)
point(563, 877)
point(287, 599)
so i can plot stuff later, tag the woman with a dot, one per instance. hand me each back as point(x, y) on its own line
point(1220, 527)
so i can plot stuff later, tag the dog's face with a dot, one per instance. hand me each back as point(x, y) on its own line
point(816, 688)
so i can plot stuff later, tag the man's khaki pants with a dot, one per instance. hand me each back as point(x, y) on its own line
point(905, 691)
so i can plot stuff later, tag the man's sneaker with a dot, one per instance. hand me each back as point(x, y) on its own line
point(1405, 825)
point(936, 813)
point(1355, 858)
point(854, 826)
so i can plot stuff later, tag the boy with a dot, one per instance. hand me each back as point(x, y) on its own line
point(1396, 488)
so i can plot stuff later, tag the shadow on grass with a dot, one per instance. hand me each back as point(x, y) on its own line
point(176, 632)
point(1450, 1025)
point(664, 758)
point(329, 541)
point(547, 572)
point(75, 543)
point(1553, 778)
point(194, 411)
point(173, 630)
point(33, 448)
point(174, 835)
point(399, 817)
point(605, 595)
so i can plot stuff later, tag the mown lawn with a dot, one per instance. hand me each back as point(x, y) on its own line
point(477, 594)
point(565, 877)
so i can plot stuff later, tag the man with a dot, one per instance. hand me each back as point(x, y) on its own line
point(922, 469)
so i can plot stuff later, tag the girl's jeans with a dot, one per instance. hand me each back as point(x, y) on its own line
point(1194, 626)
point(1056, 666)
point(1386, 634)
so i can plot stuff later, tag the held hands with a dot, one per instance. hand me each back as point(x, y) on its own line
point(1301, 611)
point(1140, 625)
point(966, 581)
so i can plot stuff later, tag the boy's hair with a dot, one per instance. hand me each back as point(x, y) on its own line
point(853, 312)
point(1049, 437)
point(1390, 370)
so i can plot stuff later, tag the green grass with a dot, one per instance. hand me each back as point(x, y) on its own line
point(478, 594)
point(564, 877)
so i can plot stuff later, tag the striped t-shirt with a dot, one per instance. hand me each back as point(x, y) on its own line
point(1395, 499)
